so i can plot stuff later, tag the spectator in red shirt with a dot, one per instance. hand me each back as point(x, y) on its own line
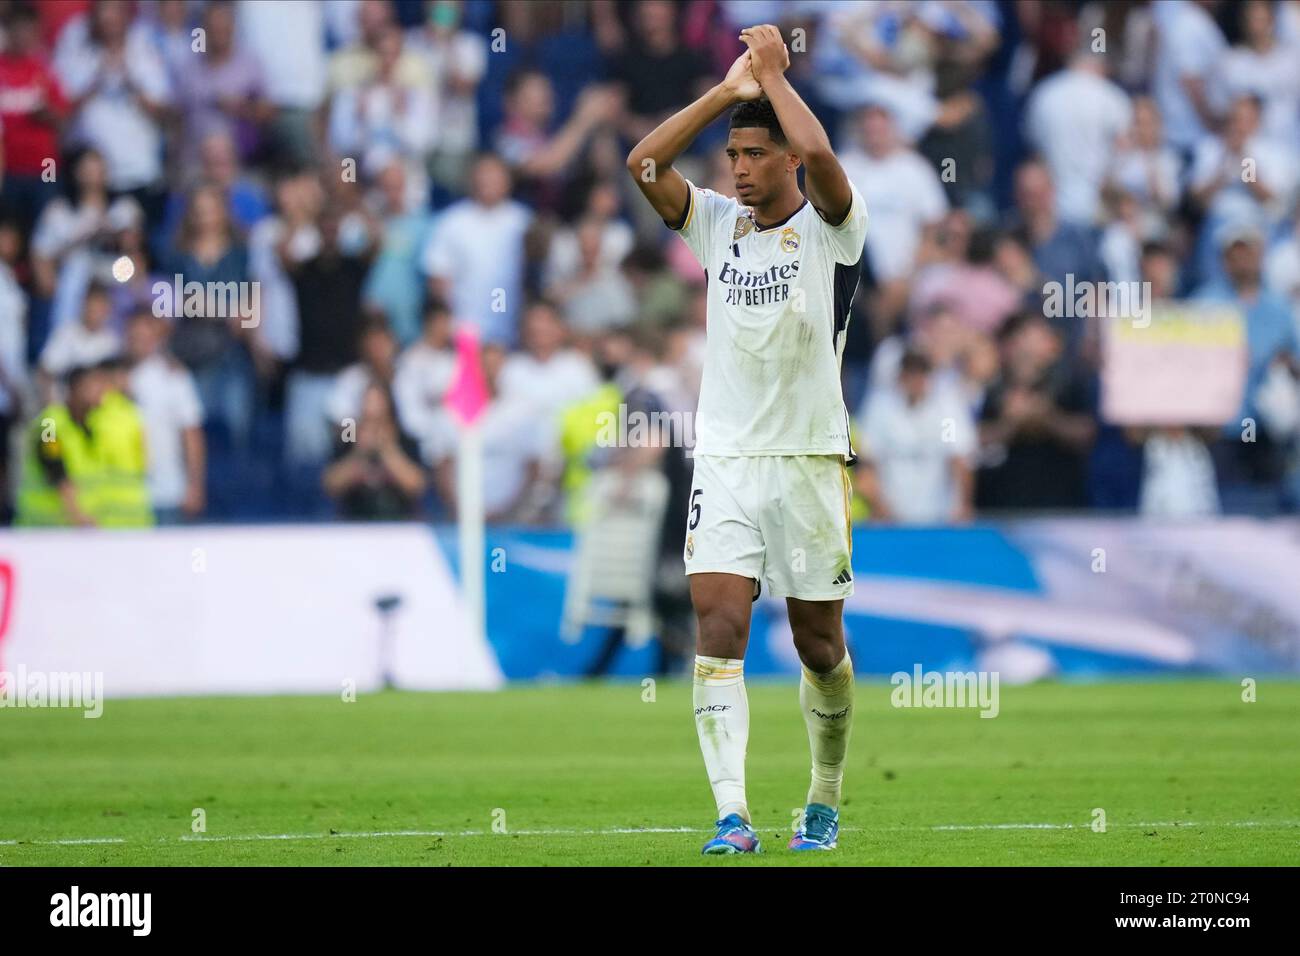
point(31, 111)
point(54, 15)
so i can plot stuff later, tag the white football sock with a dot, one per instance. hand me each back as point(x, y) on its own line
point(722, 722)
point(827, 704)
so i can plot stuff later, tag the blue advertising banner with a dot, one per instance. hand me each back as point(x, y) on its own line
point(1071, 598)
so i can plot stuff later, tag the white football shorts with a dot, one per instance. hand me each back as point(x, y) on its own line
point(782, 520)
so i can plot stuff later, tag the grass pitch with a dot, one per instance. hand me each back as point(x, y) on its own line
point(1185, 772)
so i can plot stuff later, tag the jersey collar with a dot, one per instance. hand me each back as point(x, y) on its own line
point(759, 227)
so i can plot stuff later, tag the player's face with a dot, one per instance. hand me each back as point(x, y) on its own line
point(760, 166)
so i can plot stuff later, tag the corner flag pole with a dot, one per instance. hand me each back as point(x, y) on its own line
point(470, 526)
point(467, 399)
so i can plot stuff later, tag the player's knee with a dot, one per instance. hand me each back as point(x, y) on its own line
point(820, 645)
point(723, 632)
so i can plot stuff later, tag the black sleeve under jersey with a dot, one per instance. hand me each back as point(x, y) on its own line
point(49, 455)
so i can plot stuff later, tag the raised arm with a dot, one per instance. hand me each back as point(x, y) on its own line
point(651, 161)
point(827, 186)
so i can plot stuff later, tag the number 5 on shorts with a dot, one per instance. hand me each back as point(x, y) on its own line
point(695, 510)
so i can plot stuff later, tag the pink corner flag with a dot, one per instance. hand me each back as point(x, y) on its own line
point(468, 394)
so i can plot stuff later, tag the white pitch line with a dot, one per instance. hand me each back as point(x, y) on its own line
point(1012, 826)
point(1087, 826)
point(201, 838)
point(83, 842)
point(614, 831)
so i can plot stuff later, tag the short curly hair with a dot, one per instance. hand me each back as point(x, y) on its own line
point(758, 113)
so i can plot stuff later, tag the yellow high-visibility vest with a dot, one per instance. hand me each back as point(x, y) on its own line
point(104, 460)
point(122, 492)
point(580, 429)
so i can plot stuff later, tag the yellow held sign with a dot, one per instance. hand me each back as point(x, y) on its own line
point(1186, 367)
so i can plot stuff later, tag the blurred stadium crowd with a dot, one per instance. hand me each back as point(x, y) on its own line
point(373, 172)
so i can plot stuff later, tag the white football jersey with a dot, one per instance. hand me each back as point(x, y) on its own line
point(778, 305)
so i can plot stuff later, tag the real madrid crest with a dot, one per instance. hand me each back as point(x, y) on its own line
point(789, 239)
point(743, 227)
point(690, 546)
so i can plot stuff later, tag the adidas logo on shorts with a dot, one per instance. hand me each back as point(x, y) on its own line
point(844, 577)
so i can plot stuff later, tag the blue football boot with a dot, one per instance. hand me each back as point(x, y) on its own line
point(820, 829)
point(734, 836)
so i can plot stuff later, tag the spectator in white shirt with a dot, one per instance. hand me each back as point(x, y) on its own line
point(475, 256)
point(905, 199)
point(1239, 176)
point(13, 322)
point(1145, 168)
point(288, 40)
point(958, 356)
point(1178, 479)
point(73, 242)
point(118, 86)
point(598, 296)
point(1122, 235)
point(563, 255)
point(1265, 67)
point(83, 343)
point(164, 391)
point(547, 375)
point(424, 373)
point(13, 349)
point(918, 443)
point(456, 60)
point(384, 118)
point(1189, 47)
point(1074, 119)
